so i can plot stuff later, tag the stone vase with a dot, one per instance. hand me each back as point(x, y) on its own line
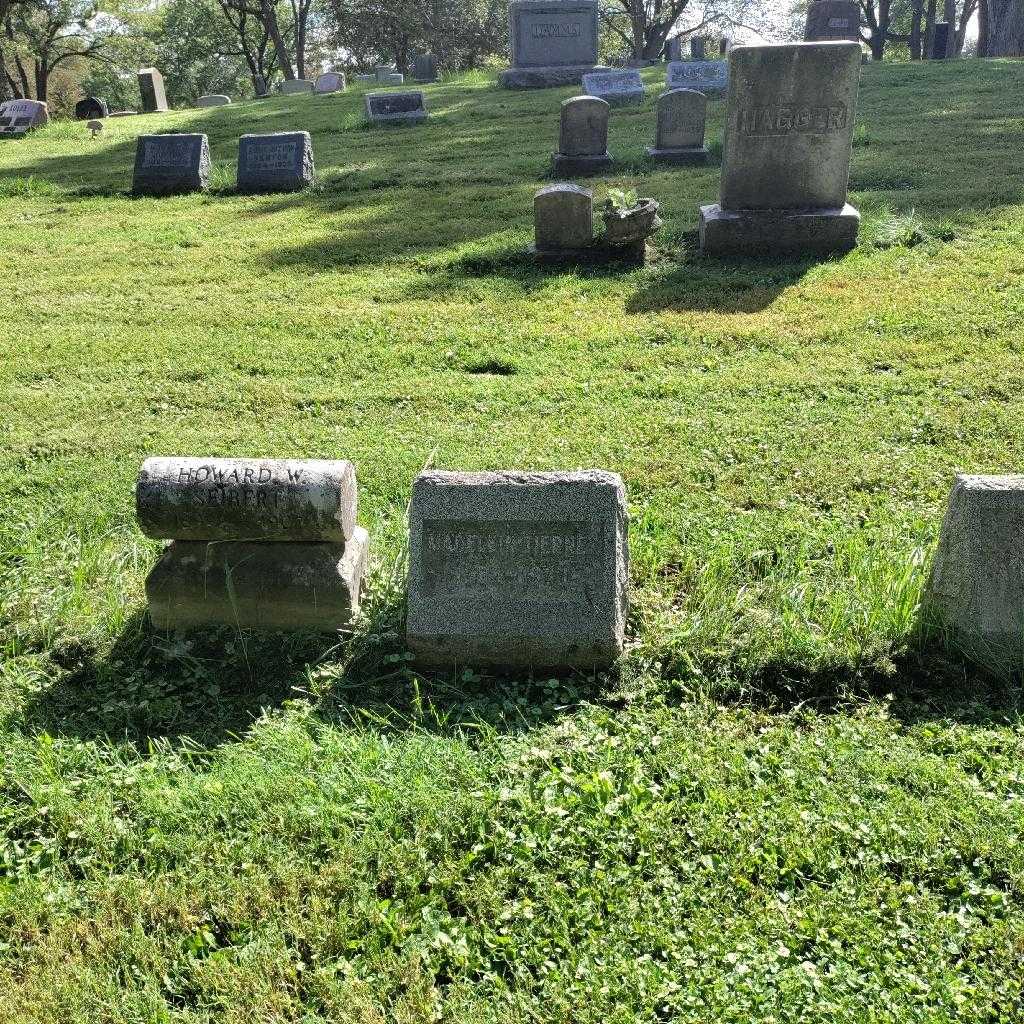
point(627, 227)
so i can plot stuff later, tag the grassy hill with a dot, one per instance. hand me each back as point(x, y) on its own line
point(788, 805)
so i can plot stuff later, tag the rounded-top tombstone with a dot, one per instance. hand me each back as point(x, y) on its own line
point(563, 216)
point(679, 136)
point(91, 108)
point(330, 81)
point(583, 135)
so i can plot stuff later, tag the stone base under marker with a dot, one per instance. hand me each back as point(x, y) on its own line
point(545, 78)
point(682, 157)
point(285, 586)
point(753, 232)
point(580, 166)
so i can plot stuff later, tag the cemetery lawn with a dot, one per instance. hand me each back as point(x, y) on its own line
point(789, 804)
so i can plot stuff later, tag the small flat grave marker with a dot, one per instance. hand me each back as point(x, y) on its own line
point(213, 100)
point(166, 164)
point(618, 88)
point(395, 107)
point(277, 162)
point(710, 77)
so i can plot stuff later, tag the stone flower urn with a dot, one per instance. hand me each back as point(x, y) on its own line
point(628, 227)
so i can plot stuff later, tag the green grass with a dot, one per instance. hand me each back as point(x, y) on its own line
point(788, 804)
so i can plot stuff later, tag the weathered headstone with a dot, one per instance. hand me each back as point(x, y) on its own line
point(832, 19)
point(395, 107)
point(396, 78)
point(679, 137)
point(296, 86)
point(124, 113)
point(673, 49)
point(278, 162)
point(554, 42)
point(247, 499)
point(582, 136)
point(330, 81)
point(724, 46)
point(151, 87)
point(91, 108)
point(787, 149)
point(365, 78)
point(563, 219)
point(165, 164)
point(384, 71)
point(619, 88)
point(517, 569)
point(424, 68)
point(698, 47)
point(20, 116)
point(213, 100)
point(976, 589)
point(940, 40)
point(710, 77)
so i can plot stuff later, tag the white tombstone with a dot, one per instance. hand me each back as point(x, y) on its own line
point(213, 100)
point(330, 81)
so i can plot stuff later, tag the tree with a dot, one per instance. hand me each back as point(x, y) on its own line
point(1001, 28)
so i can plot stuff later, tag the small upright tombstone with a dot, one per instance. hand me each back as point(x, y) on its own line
point(424, 68)
point(92, 108)
point(20, 116)
point(787, 148)
point(167, 164)
point(618, 88)
point(710, 77)
point(679, 138)
point(213, 100)
point(698, 47)
point(383, 71)
point(151, 87)
point(563, 221)
point(518, 570)
point(724, 46)
point(330, 81)
point(395, 78)
point(553, 42)
point(582, 137)
point(940, 40)
point(832, 19)
point(278, 162)
point(295, 86)
point(395, 107)
point(673, 49)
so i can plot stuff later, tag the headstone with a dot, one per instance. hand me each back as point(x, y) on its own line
point(832, 19)
point(619, 88)
point(384, 71)
point(424, 68)
point(563, 219)
point(278, 162)
point(679, 137)
point(517, 570)
point(724, 46)
point(393, 79)
point(582, 137)
point(213, 100)
point(395, 107)
point(940, 40)
point(330, 81)
point(787, 147)
point(710, 77)
point(213, 499)
point(165, 164)
point(975, 593)
point(553, 42)
point(151, 86)
point(673, 49)
point(294, 86)
point(124, 113)
point(365, 78)
point(92, 108)
point(20, 116)
point(698, 47)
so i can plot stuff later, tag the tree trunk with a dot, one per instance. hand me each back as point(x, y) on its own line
point(915, 30)
point(982, 28)
point(929, 28)
point(42, 77)
point(280, 50)
point(949, 15)
point(1006, 28)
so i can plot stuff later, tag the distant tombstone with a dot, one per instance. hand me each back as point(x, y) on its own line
point(698, 47)
point(151, 86)
point(832, 19)
point(618, 88)
point(424, 68)
point(673, 49)
point(395, 107)
point(262, 90)
point(517, 570)
point(20, 116)
point(294, 86)
point(365, 78)
point(553, 42)
point(563, 219)
point(788, 139)
point(213, 100)
point(167, 164)
point(940, 40)
point(724, 46)
point(582, 136)
point(330, 81)
point(679, 137)
point(92, 108)
point(383, 71)
point(124, 113)
point(710, 77)
point(278, 162)
point(395, 78)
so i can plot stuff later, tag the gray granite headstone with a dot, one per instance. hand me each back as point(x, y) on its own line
point(710, 77)
point(424, 68)
point(20, 116)
point(278, 162)
point(940, 40)
point(213, 100)
point(364, 78)
point(787, 149)
point(294, 86)
point(166, 164)
point(832, 19)
point(698, 47)
point(582, 136)
point(330, 81)
point(563, 219)
point(517, 570)
point(553, 42)
point(395, 107)
point(674, 49)
point(151, 86)
point(679, 137)
point(619, 88)
point(384, 71)
point(395, 78)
